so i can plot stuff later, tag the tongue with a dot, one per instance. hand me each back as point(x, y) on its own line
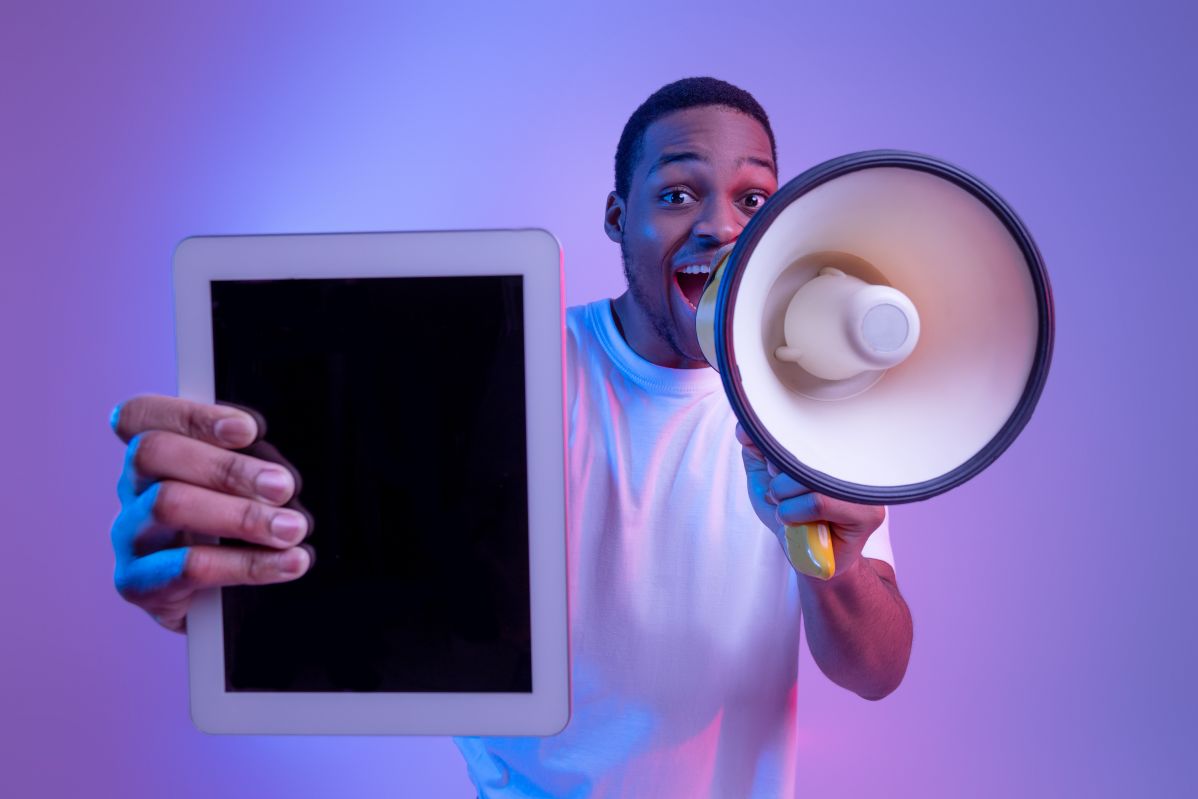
point(692, 286)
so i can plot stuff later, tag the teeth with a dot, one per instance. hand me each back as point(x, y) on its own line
point(696, 269)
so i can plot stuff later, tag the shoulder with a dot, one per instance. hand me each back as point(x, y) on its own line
point(582, 346)
point(583, 330)
point(580, 319)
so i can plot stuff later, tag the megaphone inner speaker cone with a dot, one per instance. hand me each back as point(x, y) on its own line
point(773, 317)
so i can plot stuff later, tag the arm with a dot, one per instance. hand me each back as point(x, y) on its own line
point(859, 628)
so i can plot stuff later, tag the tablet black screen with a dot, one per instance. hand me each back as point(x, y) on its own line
point(400, 401)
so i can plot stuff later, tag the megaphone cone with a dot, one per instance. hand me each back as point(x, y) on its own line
point(883, 329)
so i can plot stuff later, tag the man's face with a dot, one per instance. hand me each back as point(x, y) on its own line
point(702, 173)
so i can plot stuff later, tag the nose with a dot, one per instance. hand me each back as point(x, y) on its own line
point(718, 224)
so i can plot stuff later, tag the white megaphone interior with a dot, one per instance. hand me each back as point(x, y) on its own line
point(972, 288)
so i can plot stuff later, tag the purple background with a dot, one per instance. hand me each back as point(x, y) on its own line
point(1055, 620)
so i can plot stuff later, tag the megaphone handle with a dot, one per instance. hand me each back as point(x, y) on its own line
point(809, 549)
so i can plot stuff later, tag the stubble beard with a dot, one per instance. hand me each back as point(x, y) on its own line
point(661, 325)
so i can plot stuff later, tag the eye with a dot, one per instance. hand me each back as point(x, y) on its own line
point(677, 197)
point(755, 200)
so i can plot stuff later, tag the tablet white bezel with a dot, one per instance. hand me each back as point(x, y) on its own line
point(533, 254)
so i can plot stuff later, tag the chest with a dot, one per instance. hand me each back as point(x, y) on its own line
point(675, 583)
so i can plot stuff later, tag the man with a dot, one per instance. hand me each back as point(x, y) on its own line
point(684, 610)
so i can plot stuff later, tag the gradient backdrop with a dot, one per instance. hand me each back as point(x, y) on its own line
point(1055, 649)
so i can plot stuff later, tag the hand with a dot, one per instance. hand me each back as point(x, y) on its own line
point(779, 500)
point(181, 478)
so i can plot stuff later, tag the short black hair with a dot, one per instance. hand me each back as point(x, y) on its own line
point(676, 96)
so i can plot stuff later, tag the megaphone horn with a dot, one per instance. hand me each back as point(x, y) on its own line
point(883, 330)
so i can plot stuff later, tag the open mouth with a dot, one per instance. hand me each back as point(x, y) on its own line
point(691, 279)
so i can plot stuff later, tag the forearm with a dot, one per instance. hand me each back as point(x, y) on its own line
point(858, 628)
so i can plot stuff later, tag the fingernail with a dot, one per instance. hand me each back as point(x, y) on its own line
point(288, 527)
point(293, 565)
point(311, 554)
point(114, 418)
point(235, 431)
point(273, 485)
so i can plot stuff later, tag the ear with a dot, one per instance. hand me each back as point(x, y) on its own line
point(613, 217)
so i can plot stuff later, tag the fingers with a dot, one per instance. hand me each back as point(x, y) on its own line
point(154, 520)
point(744, 439)
point(213, 566)
point(814, 507)
point(220, 425)
point(777, 484)
point(782, 486)
point(753, 458)
point(156, 455)
point(266, 451)
point(167, 578)
point(182, 477)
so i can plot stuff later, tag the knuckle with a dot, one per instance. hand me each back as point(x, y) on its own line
point(124, 586)
point(229, 473)
point(771, 487)
point(819, 504)
point(198, 568)
point(195, 424)
point(252, 520)
point(173, 619)
point(166, 503)
point(259, 568)
point(143, 450)
point(118, 532)
point(133, 413)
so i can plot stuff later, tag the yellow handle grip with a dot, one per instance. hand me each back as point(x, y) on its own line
point(809, 549)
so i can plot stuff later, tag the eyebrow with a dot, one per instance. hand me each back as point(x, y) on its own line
point(673, 158)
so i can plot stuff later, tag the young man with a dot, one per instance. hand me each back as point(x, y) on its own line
point(684, 609)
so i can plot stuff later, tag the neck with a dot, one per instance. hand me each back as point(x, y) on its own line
point(639, 333)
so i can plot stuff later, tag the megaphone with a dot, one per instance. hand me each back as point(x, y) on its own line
point(883, 329)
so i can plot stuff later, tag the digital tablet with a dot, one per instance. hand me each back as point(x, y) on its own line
point(415, 381)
